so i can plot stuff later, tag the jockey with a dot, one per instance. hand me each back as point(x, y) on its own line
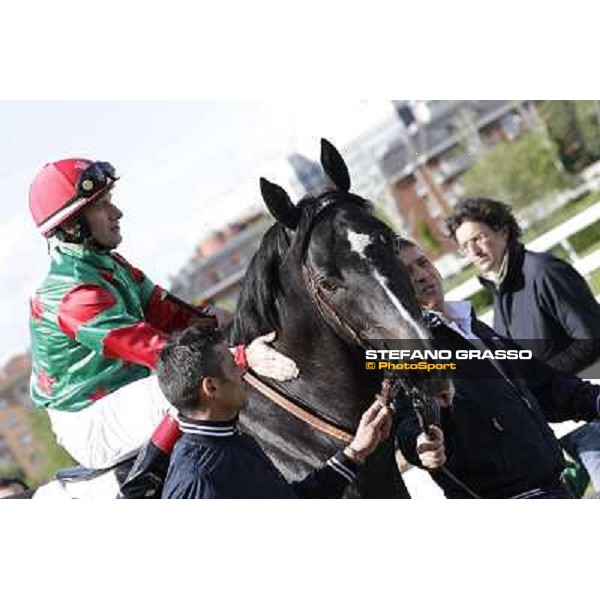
point(97, 323)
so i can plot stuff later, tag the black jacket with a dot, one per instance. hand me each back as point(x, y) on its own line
point(546, 306)
point(497, 437)
point(215, 460)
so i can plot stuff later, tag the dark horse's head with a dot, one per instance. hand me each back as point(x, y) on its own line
point(329, 280)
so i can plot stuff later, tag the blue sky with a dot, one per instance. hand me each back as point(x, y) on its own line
point(176, 159)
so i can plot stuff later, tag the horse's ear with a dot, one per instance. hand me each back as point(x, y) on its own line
point(334, 165)
point(279, 204)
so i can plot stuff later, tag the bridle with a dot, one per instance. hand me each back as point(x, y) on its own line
point(325, 308)
point(427, 413)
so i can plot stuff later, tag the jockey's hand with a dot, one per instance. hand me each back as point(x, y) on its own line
point(431, 449)
point(213, 314)
point(374, 427)
point(266, 361)
point(208, 322)
point(224, 317)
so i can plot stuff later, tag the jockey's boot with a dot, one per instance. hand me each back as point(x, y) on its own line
point(147, 475)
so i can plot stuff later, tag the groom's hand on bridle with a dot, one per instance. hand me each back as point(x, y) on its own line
point(374, 427)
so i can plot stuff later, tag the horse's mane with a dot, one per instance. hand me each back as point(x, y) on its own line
point(257, 312)
point(260, 289)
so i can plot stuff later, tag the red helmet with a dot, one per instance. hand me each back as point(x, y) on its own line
point(63, 188)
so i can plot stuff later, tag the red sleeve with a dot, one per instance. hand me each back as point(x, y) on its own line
point(166, 315)
point(139, 343)
point(81, 305)
point(239, 356)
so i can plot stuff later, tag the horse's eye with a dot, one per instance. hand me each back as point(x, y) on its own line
point(328, 285)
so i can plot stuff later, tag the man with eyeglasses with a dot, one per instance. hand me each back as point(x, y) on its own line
point(540, 301)
point(97, 324)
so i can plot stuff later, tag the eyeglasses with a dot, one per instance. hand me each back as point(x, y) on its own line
point(97, 176)
point(478, 238)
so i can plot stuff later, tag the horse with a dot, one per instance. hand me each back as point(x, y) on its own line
point(328, 279)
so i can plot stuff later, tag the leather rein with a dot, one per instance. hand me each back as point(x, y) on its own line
point(295, 406)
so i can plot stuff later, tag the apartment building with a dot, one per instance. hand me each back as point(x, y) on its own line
point(17, 444)
point(423, 168)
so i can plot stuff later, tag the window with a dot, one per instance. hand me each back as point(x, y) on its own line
point(12, 421)
point(420, 189)
point(433, 207)
point(511, 126)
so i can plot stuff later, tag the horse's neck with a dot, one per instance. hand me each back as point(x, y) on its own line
point(332, 373)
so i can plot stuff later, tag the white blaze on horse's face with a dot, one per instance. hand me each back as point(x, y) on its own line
point(359, 242)
point(410, 322)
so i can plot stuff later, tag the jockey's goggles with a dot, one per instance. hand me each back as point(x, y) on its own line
point(96, 177)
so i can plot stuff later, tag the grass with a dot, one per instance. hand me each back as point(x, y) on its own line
point(586, 240)
point(560, 252)
point(594, 280)
point(560, 216)
point(482, 300)
point(590, 249)
point(460, 277)
point(56, 457)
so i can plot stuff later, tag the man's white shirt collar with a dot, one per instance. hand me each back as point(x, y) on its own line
point(459, 317)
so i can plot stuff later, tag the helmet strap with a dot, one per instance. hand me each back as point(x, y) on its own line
point(78, 232)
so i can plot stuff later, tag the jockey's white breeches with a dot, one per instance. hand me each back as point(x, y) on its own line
point(113, 428)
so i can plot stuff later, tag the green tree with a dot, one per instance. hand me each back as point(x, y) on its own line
point(427, 238)
point(516, 172)
point(561, 123)
point(588, 119)
point(574, 128)
point(11, 469)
